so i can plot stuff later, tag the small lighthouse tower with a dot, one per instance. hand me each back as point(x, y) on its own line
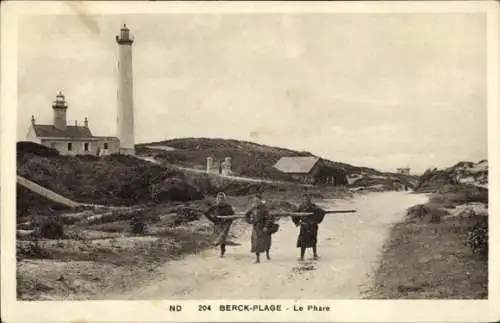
point(125, 114)
point(60, 107)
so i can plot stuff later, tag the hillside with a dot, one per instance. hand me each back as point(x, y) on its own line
point(471, 173)
point(462, 173)
point(114, 180)
point(255, 160)
point(248, 159)
point(125, 180)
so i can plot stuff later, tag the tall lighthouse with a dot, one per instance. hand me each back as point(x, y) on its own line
point(125, 115)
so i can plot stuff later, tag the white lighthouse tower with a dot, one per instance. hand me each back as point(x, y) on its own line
point(125, 115)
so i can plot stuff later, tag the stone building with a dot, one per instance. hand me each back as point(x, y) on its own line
point(403, 171)
point(74, 139)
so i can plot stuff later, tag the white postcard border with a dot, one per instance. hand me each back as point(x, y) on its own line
point(154, 311)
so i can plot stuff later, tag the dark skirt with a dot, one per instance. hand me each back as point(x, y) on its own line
point(308, 236)
point(261, 241)
point(221, 232)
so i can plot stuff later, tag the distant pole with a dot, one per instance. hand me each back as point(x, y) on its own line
point(209, 164)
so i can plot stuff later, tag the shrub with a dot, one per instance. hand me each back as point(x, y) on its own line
point(477, 238)
point(26, 147)
point(460, 194)
point(138, 223)
point(425, 213)
point(185, 215)
point(137, 226)
point(112, 180)
point(28, 202)
point(51, 227)
point(175, 189)
point(111, 227)
point(433, 180)
point(87, 157)
point(31, 250)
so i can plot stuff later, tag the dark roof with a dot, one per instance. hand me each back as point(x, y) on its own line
point(296, 165)
point(47, 130)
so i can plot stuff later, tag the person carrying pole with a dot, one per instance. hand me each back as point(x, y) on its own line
point(308, 233)
point(262, 223)
point(216, 214)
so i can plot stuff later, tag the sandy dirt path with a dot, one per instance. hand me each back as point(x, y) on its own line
point(349, 246)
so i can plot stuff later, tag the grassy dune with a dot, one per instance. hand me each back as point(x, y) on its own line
point(431, 260)
point(424, 260)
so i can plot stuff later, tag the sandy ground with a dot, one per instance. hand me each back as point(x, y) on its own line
point(349, 246)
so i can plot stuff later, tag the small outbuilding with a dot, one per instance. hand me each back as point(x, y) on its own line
point(311, 170)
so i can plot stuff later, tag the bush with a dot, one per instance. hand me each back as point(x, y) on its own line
point(87, 157)
point(451, 196)
point(26, 147)
point(477, 238)
point(175, 189)
point(112, 180)
point(433, 180)
point(111, 227)
point(32, 250)
point(138, 224)
point(51, 227)
point(186, 215)
point(425, 213)
point(28, 202)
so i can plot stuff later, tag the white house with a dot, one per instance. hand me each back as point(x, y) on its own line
point(70, 139)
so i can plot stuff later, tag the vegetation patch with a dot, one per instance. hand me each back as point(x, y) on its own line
point(440, 250)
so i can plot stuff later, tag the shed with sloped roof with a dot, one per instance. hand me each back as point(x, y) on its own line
point(311, 170)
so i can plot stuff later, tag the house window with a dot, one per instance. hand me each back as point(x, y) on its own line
point(105, 145)
point(70, 146)
point(86, 146)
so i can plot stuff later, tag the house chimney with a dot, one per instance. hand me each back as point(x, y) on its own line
point(86, 123)
point(33, 120)
point(60, 107)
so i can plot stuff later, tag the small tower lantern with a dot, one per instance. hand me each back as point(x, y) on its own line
point(124, 37)
point(60, 101)
point(60, 106)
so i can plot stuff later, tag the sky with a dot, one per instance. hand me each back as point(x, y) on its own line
point(376, 90)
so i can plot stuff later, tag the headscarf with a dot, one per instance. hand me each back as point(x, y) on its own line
point(222, 194)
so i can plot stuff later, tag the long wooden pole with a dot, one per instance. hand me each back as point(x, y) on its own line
point(340, 211)
point(280, 214)
point(286, 214)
